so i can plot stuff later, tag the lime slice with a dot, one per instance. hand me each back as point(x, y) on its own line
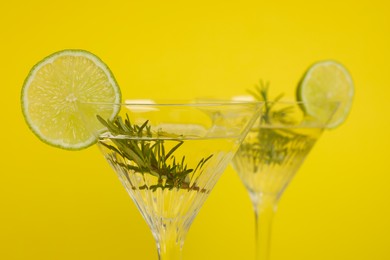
point(55, 94)
point(324, 86)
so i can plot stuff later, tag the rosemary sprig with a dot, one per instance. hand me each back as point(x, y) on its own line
point(270, 114)
point(147, 154)
point(273, 144)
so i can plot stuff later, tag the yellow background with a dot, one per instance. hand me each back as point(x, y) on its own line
point(56, 204)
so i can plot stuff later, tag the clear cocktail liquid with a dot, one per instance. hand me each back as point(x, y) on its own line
point(270, 156)
point(160, 204)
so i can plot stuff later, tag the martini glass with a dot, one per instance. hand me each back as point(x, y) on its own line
point(271, 154)
point(169, 156)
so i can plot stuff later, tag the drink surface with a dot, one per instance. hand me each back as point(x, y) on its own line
point(270, 156)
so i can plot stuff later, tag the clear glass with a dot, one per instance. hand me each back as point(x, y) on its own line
point(172, 161)
point(271, 154)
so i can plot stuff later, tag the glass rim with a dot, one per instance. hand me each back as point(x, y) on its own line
point(200, 102)
point(249, 99)
point(173, 102)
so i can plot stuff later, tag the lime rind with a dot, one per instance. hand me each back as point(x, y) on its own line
point(79, 123)
point(326, 91)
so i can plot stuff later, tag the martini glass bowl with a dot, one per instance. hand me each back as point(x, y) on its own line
point(169, 156)
point(271, 154)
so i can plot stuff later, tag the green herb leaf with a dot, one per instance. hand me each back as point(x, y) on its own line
point(146, 154)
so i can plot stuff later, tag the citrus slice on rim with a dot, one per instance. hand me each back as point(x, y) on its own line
point(325, 86)
point(61, 96)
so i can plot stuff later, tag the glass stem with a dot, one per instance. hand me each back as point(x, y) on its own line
point(265, 208)
point(169, 242)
